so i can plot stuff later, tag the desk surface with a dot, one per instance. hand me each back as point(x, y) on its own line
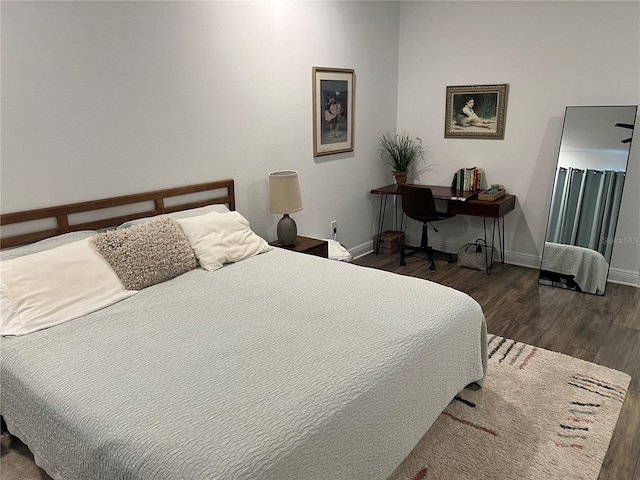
point(462, 203)
point(439, 192)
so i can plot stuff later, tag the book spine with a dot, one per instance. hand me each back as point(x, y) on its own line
point(469, 179)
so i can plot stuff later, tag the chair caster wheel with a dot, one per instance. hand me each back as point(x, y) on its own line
point(432, 267)
point(402, 263)
point(450, 260)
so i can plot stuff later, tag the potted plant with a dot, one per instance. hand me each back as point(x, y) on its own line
point(400, 152)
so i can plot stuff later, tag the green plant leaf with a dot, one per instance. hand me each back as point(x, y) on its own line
point(400, 151)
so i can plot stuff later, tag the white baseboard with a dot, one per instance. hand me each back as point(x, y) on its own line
point(616, 275)
point(624, 277)
point(362, 249)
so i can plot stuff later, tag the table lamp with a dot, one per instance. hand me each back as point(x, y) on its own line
point(284, 198)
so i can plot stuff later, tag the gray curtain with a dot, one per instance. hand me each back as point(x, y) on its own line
point(584, 208)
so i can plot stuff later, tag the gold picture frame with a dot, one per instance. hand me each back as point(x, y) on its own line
point(333, 110)
point(476, 111)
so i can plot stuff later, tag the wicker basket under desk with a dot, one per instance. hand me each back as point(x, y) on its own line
point(390, 242)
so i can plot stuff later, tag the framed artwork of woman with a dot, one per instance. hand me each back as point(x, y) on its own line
point(476, 111)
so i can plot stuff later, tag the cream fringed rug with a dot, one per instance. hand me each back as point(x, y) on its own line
point(540, 415)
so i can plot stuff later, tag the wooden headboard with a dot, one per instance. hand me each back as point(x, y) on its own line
point(221, 191)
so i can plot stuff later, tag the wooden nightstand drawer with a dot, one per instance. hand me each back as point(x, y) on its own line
point(310, 246)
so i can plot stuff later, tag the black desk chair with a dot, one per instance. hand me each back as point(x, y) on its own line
point(418, 204)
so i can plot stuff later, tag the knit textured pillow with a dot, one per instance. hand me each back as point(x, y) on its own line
point(147, 254)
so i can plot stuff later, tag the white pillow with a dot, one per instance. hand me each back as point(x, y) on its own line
point(51, 287)
point(219, 238)
point(192, 212)
point(46, 244)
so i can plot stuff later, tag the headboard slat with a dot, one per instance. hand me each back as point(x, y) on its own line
point(61, 213)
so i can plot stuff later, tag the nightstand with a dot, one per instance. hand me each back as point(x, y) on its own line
point(311, 246)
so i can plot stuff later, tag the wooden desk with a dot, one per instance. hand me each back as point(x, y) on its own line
point(439, 192)
point(459, 203)
point(482, 208)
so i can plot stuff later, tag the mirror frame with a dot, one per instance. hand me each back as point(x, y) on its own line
point(570, 259)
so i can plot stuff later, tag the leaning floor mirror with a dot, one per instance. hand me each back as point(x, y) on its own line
point(586, 197)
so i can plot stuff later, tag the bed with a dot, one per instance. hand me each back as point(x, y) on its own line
point(278, 365)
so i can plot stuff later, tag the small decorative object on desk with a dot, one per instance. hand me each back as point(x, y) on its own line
point(476, 255)
point(390, 242)
point(493, 193)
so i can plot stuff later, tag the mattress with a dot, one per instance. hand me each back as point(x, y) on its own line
point(281, 366)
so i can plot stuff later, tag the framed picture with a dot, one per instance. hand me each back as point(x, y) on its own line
point(333, 92)
point(475, 111)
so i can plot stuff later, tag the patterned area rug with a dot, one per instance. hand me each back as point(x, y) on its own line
point(540, 415)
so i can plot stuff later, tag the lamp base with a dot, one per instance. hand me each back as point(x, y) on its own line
point(287, 230)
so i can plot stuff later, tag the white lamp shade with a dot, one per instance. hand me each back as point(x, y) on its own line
point(284, 192)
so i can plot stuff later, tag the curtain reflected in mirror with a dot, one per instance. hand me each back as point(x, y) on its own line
point(586, 197)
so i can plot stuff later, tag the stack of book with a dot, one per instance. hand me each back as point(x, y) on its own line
point(467, 179)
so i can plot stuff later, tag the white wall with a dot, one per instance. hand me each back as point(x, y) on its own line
point(552, 54)
point(110, 98)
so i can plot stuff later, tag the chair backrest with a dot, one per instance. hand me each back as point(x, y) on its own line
point(418, 203)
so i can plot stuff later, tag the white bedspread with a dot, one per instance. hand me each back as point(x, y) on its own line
point(282, 366)
point(589, 268)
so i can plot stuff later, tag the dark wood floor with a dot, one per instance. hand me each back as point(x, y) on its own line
point(604, 330)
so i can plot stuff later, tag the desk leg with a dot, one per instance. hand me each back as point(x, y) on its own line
point(501, 237)
point(489, 247)
point(484, 229)
point(383, 207)
point(500, 227)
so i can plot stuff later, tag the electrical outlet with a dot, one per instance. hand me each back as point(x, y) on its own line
point(334, 227)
